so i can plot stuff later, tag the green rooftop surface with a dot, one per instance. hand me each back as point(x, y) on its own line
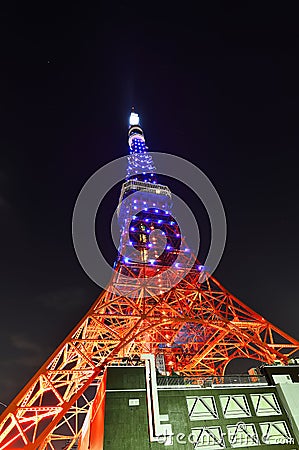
point(126, 427)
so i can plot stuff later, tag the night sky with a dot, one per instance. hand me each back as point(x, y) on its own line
point(218, 87)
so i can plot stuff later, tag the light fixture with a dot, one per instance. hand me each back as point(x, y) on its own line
point(134, 119)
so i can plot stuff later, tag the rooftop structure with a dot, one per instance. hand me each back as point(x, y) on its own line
point(135, 409)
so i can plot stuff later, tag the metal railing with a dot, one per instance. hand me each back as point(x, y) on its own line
point(153, 188)
point(172, 382)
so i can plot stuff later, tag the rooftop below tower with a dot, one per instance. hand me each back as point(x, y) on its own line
point(223, 415)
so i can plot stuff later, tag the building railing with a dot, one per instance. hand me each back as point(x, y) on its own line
point(147, 187)
point(151, 188)
point(210, 381)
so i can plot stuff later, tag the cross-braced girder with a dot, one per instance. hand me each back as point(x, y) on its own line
point(199, 327)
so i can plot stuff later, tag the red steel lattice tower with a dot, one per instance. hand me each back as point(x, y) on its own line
point(155, 303)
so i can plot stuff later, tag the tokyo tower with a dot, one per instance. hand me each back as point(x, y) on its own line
point(159, 301)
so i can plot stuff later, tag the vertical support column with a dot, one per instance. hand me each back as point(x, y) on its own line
point(158, 432)
point(289, 393)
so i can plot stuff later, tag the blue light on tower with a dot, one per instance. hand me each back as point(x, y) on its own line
point(150, 208)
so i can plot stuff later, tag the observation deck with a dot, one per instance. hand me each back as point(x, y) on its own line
point(136, 185)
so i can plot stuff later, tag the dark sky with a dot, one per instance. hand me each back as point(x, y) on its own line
point(218, 87)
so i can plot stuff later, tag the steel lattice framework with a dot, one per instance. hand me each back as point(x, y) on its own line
point(195, 323)
point(217, 328)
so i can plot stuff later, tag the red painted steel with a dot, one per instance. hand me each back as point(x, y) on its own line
point(199, 327)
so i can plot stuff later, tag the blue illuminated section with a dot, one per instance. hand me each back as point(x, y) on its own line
point(148, 210)
point(140, 164)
